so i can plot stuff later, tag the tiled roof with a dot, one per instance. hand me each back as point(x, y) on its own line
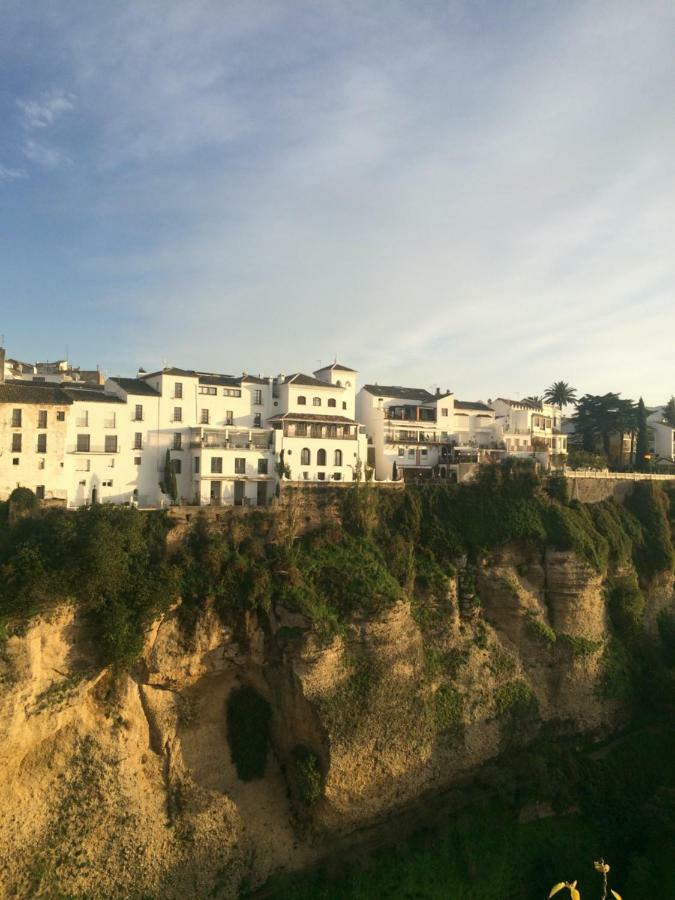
point(308, 381)
point(254, 379)
point(395, 392)
point(84, 395)
point(308, 417)
point(136, 387)
point(336, 367)
point(26, 392)
point(171, 370)
point(220, 380)
point(469, 404)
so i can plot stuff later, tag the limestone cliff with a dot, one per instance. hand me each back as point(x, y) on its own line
point(124, 786)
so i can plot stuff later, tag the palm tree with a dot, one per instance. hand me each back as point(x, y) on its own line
point(560, 394)
point(531, 401)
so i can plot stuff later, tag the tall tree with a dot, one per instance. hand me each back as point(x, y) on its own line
point(642, 439)
point(532, 401)
point(669, 412)
point(560, 394)
point(169, 485)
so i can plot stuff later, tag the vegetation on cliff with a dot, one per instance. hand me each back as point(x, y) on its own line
point(114, 562)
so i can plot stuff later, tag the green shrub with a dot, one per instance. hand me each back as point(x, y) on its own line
point(539, 629)
point(22, 499)
point(626, 606)
point(448, 710)
point(650, 506)
point(248, 718)
point(307, 775)
point(579, 646)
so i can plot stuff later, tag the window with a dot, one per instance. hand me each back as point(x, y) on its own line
point(231, 392)
point(178, 391)
point(305, 475)
point(305, 457)
point(177, 414)
point(444, 412)
point(138, 412)
point(82, 420)
point(331, 431)
point(204, 417)
point(262, 467)
point(257, 420)
point(42, 443)
point(40, 492)
point(425, 452)
point(111, 443)
point(321, 476)
point(109, 421)
point(344, 404)
point(16, 443)
point(16, 418)
point(239, 466)
point(315, 431)
point(42, 418)
point(15, 461)
point(216, 465)
point(41, 463)
point(337, 476)
point(138, 440)
point(83, 443)
point(338, 458)
point(321, 458)
point(316, 401)
point(137, 460)
point(205, 389)
point(177, 440)
point(411, 453)
point(302, 401)
point(301, 429)
point(196, 465)
point(60, 416)
point(401, 451)
point(257, 397)
point(177, 466)
point(345, 431)
point(332, 401)
point(229, 417)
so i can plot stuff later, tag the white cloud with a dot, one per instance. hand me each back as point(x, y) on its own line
point(44, 111)
point(7, 174)
point(472, 194)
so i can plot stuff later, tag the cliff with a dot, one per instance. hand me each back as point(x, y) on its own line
point(133, 782)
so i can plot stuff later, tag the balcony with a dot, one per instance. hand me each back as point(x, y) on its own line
point(231, 440)
point(415, 437)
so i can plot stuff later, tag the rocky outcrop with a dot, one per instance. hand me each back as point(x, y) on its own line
point(124, 786)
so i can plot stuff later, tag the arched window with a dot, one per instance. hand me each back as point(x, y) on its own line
point(305, 457)
point(338, 458)
point(321, 458)
point(316, 401)
point(331, 401)
point(302, 401)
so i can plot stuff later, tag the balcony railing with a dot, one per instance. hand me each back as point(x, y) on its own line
point(231, 440)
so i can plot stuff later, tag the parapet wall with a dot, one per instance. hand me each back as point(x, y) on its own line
point(592, 487)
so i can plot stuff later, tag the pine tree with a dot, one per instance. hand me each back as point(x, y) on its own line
point(669, 412)
point(642, 441)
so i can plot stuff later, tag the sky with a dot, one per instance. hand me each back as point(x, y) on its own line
point(476, 195)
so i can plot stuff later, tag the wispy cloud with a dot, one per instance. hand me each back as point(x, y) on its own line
point(7, 174)
point(46, 109)
point(472, 194)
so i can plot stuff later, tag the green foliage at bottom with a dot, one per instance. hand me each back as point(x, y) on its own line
point(626, 798)
point(307, 775)
point(248, 718)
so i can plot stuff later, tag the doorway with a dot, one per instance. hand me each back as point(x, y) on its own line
point(261, 493)
point(239, 493)
point(216, 492)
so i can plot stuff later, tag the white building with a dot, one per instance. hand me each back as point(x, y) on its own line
point(527, 428)
point(661, 437)
point(315, 422)
point(414, 433)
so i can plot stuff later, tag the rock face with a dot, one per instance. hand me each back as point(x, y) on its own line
point(124, 786)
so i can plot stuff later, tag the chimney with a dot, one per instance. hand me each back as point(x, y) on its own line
point(141, 372)
point(2, 365)
point(438, 392)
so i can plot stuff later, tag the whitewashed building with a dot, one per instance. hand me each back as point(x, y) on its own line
point(527, 428)
point(661, 437)
point(318, 434)
point(414, 433)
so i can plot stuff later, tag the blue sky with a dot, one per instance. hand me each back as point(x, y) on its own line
point(473, 195)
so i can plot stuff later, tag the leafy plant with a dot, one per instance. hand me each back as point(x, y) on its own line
point(600, 866)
